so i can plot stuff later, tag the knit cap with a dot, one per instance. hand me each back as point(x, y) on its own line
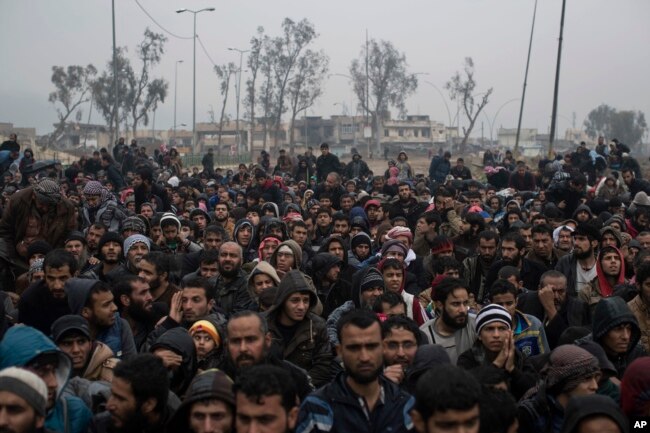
point(134, 239)
point(133, 223)
point(568, 366)
point(393, 245)
point(371, 280)
point(360, 238)
point(109, 237)
point(27, 386)
point(395, 232)
point(169, 218)
point(208, 328)
point(490, 314)
point(38, 247)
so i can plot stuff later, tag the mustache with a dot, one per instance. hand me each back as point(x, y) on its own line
point(244, 357)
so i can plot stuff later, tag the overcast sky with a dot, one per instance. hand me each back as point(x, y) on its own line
point(605, 56)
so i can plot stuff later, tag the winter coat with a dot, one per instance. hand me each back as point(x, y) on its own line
point(109, 213)
point(101, 363)
point(336, 408)
point(464, 337)
point(439, 169)
point(21, 345)
point(337, 293)
point(610, 313)
point(326, 164)
point(233, 296)
point(309, 348)
point(587, 406)
point(599, 287)
point(530, 338)
point(39, 309)
point(642, 314)
point(540, 413)
point(357, 168)
point(179, 341)
point(261, 268)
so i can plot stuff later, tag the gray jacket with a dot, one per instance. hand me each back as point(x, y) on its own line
point(465, 337)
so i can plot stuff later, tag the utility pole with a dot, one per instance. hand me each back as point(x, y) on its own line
point(115, 109)
point(523, 93)
point(557, 83)
point(368, 99)
point(241, 56)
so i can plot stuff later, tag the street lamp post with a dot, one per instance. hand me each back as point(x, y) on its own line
point(241, 57)
point(494, 118)
point(179, 11)
point(175, 82)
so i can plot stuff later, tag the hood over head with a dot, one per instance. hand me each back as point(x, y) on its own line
point(261, 268)
point(295, 249)
point(583, 207)
point(635, 397)
point(325, 246)
point(606, 288)
point(586, 406)
point(321, 264)
point(610, 313)
point(22, 344)
point(367, 276)
point(180, 342)
point(269, 205)
point(426, 357)
point(238, 226)
point(77, 291)
point(294, 281)
point(614, 232)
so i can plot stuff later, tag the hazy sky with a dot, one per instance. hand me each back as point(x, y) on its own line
point(605, 56)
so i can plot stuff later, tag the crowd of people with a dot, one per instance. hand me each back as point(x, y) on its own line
point(139, 295)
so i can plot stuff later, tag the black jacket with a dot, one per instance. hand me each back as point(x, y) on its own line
point(335, 295)
point(530, 273)
point(233, 296)
point(180, 342)
point(39, 309)
point(325, 164)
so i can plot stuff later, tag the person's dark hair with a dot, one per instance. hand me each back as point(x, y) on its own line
point(489, 376)
point(509, 271)
point(572, 333)
point(339, 216)
point(627, 170)
point(363, 319)
point(124, 286)
point(489, 235)
point(264, 326)
point(58, 258)
point(446, 287)
point(164, 263)
point(148, 378)
point(519, 241)
point(431, 217)
point(640, 258)
point(402, 183)
point(145, 173)
point(96, 289)
point(392, 264)
point(209, 256)
point(444, 388)
point(498, 410)
point(298, 223)
point(444, 263)
point(98, 225)
point(390, 298)
point(215, 228)
point(502, 287)
point(642, 273)
point(264, 381)
point(439, 242)
point(323, 210)
point(543, 229)
point(201, 283)
point(475, 219)
point(405, 323)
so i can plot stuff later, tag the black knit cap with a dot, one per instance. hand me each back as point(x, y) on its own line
point(38, 247)
point(109, 237)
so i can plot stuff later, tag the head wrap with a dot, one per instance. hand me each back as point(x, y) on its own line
point(393, 245)
point(47, 191)
point(568, 366)
point(556, 232)
point(25, 385)
point(395, 232)
point(38, 247)
point(36, 266)
point(490, 314)
point(134, 239)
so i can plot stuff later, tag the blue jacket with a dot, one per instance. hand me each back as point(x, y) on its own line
point(335, 408)
point(20, 345)
point(439, 169)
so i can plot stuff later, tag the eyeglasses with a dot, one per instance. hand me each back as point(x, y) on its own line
point(407, 345)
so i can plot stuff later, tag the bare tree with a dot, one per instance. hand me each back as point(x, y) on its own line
point(266, 100)
point(254, 64)
point(461, 89)
point(73, 87)
point(305, 87)
point(224, 73)
point(388, 81)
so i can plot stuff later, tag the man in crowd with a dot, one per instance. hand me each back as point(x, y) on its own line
point(401, 338)
point(326, 163)
point(23, 399)
point(231, 286)
point(156, 269)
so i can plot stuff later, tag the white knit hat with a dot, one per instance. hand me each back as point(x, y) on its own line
point(25, 385)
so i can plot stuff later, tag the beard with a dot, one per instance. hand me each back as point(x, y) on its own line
point(581, 255)
point(507, 261)
point(229, 274)
point(364, 378)
point(140, 314)
point(31, 429)
point(451, 322)
point(136, 423)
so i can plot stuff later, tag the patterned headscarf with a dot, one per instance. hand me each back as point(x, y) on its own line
point(47, 191)
point(96, 188)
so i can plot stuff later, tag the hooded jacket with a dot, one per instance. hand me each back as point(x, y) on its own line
point(118, 337)
point(347, 271)
point(426, 357)
point(599, 287)
point(608, 314)
point(21, 345)
point(336, 294)
point(582, 207)
point(180, 342)
point(245, 248)
point(261, 268)
point(309, 347)
point(582, 407)
point(297, 254)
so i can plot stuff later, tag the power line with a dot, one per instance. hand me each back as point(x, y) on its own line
point(159, 25)
point(205, 51)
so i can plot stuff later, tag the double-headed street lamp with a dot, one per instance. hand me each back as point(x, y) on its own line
point(241, 57)
point(194, 70)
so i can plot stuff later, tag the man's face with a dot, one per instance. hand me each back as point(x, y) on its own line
point(148, 272)
point(229, 259)
point(212, 241)
point(296, 307)
point(565, 240)
point(493, 336)
point(102, 313)
point(399, 347)
point(521, 171)
point(527, 234)
point(195, 304)
point(628, 178)
point(78, 347)
point(261, 282)
point(644, 240)
point(323, 220)
point(221, 212)
point(404, 192)
point(510, 253)
point(507, 301)
point(48, 373)
point(75, 248)
point(247, 345)
point(146, 211)
point(617, 340)
point(299, 234)
point(466, 421)
point(362, 251)
point(455, 309)
point(368, 297)
point(93, 237)
point(254, 217)
point(263, 415)
point(136, 253)
point(336, 248)
point(285, 261)
point(372, 213)
point(342, 227)
point(393, 279)
point(55, 279)
point(333, 273)
point(122, 404)
point(644, 290)
point(543, 245)
point(346, 203)
point(170, 232)
point(211, 416)
point(200, 221)
point(244, 235)
point(582, 246)
point(398, 255)
point(209, 270)
point(611, 264)
point(18, 416)
point(582, 216)
point(559, 290)
point(141, 296)
point(487, 249)
point(269, 248)
point(361, 352)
